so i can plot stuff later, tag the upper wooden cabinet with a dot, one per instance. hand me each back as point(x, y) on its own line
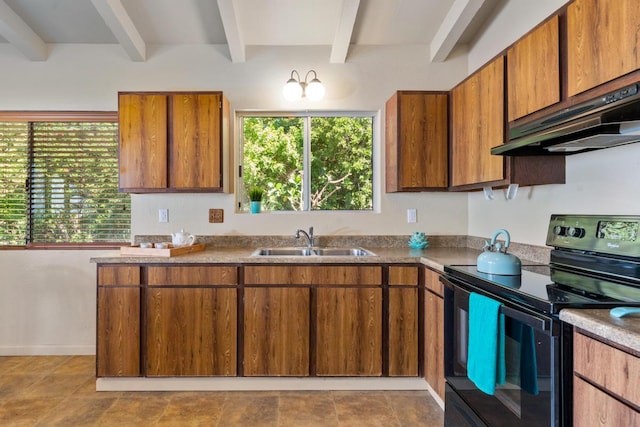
point(416, 141)
point(477, 106)
point(533, 70)
point(602, 42)
point(173, 142)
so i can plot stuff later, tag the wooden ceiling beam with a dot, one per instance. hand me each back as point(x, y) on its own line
point(232, 30)
point(453, 26)
point(117, 19)
point(342, 39)
point(19, 34)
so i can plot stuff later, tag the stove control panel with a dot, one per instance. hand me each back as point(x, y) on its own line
point(607, 234)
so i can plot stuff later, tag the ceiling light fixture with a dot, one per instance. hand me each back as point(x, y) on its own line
point(295, 89)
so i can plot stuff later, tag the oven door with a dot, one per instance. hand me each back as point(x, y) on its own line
point(531, 393)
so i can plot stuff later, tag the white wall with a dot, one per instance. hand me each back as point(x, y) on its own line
point(599, 182)
point(47, 300)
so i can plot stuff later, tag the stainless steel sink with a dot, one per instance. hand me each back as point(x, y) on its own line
point(343, 252)
point(283, 252)
point(347, 252)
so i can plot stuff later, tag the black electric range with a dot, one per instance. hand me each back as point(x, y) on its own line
point(594, 263)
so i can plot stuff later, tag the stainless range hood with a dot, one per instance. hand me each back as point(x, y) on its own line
point(607, 121)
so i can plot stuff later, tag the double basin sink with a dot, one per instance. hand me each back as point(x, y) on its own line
point(346, 252)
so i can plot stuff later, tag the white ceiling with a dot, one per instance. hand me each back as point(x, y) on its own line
point(32, 25)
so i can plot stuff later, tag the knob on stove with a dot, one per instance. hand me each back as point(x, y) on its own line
point(575, 232)
point(559, 230)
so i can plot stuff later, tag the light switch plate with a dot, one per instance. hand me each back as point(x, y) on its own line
point(412, 215)
point(216, 215)
point(163, 215)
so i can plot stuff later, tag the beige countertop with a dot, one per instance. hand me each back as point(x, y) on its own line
point(435, 258)
point(624, 331)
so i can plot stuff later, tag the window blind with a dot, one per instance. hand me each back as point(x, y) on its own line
point(13, 179)
point(73, 184)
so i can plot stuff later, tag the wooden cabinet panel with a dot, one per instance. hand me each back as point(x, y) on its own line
point(403, 276)
point(143, 141)
point(349, 332)
point(276, 331)
point(118, 275)
point(118, 331)
point(477, 125)
point(174, 142)
point(617, 371)
point(403, 332)
point(602, 42)
point(533, 70)
point(593, 407)
point(416, 141)
point(313, 275)
point(432, 282)
point(434, 342)
point(191, 331)
point(196, 146)
point(192, 275)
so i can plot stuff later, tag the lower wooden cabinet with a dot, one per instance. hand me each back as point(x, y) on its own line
point(118, 322)
point(281, 320)
point(191, 321)
point(349, 336)
point(191, 332)
point(434, 332)
point(276, 331)
point(403, 321)
point(605, 384)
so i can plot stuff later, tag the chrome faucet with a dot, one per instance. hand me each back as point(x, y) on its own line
point(308, 235)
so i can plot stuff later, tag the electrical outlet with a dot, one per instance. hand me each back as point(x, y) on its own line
point(163, 215)
point(412, 215)
point(216, 215)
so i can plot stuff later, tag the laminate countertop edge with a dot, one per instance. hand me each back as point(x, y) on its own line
point(624, 331)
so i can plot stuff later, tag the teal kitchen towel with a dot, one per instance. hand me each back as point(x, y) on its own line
point(486, 351)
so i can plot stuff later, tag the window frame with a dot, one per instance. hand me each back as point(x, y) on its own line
point(62, 116)
point(307, 115)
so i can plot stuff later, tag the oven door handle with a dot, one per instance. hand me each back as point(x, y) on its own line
point(527, 319)
point(521, 314)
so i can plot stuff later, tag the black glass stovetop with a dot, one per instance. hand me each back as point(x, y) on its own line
point(548, 289)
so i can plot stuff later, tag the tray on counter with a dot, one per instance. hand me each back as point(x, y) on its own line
point(168, 252)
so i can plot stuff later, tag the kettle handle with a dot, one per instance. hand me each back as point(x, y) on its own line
point(507, 240)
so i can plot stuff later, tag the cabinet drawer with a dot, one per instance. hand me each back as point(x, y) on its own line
point(312, 275)
point(593, 407)
point(613, 369)
point(192, 276)
point(118, 275)
point(403, 276)
point(432, 282)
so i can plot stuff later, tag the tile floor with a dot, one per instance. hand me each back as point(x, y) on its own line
point(60, 391)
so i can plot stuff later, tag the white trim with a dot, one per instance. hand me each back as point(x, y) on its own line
point(48, 350)
point(259, 384)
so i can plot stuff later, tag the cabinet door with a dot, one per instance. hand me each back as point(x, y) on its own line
point(349, 331)
point(403, 321)
point(602, 42)
point(118, 322)
point(191, 331)
point(478, 124)
point(196, 144)
point(276, 331)
point(416, 141)
point(434, 332)
point(191, 321)
point(533, 70)
point(143, 141)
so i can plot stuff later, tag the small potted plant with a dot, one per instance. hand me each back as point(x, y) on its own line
point(255, 196)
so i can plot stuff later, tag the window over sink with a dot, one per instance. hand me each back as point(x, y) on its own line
point(59, 180)
point(307, 161)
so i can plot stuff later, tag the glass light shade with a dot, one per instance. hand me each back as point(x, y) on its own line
point(314, 91)
point(292, 90)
